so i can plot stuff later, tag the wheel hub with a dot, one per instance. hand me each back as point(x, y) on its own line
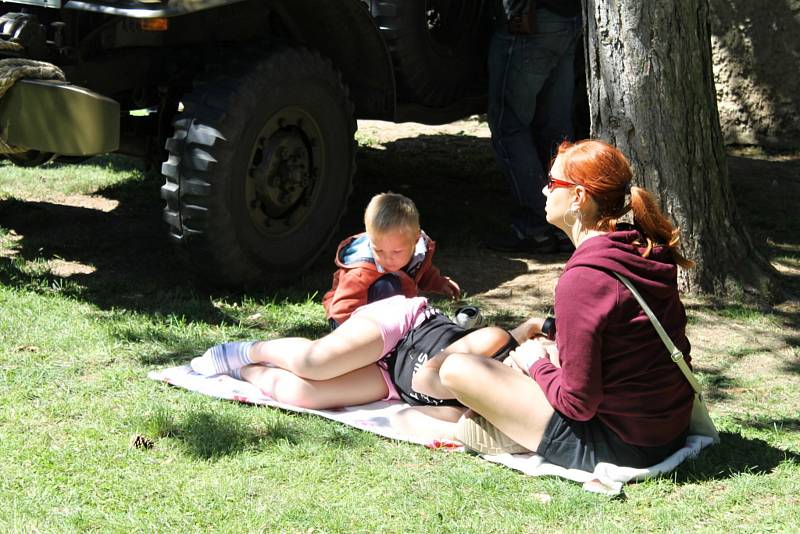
point(283, 171)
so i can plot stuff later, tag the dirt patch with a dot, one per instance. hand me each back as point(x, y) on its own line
point(65, 269)
point(94, 202)
point(9, 244)
point(380, 133)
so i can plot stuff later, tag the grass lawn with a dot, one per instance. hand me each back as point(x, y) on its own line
point(92, 298)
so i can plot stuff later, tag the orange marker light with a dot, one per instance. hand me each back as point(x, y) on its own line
point(159, 24)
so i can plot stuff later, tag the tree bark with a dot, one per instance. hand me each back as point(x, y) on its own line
point(651, 94)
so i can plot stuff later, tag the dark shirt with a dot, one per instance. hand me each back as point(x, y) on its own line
point(509, 8)
point(613, 364)
point(565, 8)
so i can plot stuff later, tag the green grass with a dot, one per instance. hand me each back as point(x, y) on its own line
point(366, 139)
point(39, 182)
point(75, 352)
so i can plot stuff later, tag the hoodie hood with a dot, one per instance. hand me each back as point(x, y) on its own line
point(616, 252)
point(356, 252)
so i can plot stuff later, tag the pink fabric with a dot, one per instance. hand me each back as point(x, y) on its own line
point(393, 394)
point(395, 316)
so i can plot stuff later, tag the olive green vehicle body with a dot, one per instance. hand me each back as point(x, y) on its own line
point(87, 123)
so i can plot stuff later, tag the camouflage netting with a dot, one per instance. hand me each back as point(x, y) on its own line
point(14, 69)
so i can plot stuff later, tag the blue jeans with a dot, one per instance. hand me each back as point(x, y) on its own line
point(384, 287)
point(531, 84)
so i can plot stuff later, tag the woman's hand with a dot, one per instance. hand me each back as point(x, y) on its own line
point(528, 353)
point(552, 350)
point(509, 361)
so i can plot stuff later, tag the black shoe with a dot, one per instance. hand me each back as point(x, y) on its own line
point(513, 242)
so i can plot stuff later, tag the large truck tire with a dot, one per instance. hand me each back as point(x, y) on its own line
point(438, 46)
point(260, 167)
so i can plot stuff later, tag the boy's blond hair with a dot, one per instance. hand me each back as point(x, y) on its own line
point(388, 212)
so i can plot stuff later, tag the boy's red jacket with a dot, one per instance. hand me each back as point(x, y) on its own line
point(352, 280)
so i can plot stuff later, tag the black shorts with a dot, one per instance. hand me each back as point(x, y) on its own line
point(584, 444)
point(427, 340)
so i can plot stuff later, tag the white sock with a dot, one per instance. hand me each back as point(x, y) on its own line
point(224, 359)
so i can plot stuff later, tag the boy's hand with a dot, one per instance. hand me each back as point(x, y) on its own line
point(451, 289)
point(530, 328)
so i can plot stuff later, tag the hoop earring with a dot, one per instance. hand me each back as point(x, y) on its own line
point(577, 217)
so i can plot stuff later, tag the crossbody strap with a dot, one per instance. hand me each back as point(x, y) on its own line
point(674, 352)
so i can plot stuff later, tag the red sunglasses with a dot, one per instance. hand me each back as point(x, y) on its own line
point(553, 183)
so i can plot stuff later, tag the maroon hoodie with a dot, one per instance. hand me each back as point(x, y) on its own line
point(613, 364)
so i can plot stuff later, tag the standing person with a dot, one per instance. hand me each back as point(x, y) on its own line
point(531, 84)
point(617, 396)
point(393, 257)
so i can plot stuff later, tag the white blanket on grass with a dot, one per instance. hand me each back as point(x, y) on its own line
point(377, 417)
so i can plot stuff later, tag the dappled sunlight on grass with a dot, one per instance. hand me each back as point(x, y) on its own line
point(93, 298)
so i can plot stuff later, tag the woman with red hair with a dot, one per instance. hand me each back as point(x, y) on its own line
point(608, 390)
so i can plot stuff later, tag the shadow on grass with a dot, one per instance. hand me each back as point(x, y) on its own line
point(182, 354)
point(745, 315)
point(777, 322)
point(766, 190)
point(308, 330)
point(207, 435)
point(793, 367)
point(122, 259)
point(717, 385)
point(791, 424)
point(733, 456)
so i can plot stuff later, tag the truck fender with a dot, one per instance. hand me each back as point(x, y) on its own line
point(345, 32)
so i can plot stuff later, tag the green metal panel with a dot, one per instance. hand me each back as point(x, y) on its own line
point(59, 117)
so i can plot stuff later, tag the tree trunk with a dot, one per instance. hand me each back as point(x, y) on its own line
point(651, 93)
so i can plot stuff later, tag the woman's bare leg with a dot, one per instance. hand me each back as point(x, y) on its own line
point(485, 341)
point(428, 422)
point(350, 389)
point(355, 344)
point(510, 400)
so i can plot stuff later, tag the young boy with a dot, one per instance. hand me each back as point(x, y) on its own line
point(393, 257)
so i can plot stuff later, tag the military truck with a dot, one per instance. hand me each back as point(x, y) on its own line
point(249, 106)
